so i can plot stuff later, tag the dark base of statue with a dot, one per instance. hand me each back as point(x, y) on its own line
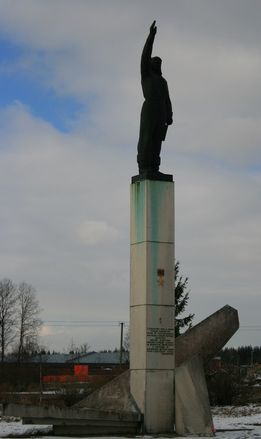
point(152, 175)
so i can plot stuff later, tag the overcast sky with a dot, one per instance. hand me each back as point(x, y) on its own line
point(70, 104)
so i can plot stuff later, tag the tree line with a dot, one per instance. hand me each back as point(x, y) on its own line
point(20, 321)
point(243, 355)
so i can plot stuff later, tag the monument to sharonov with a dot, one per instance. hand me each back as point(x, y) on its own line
point(152, 257)
point(152, 347)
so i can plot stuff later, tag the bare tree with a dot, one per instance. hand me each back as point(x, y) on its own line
point(8, 298)
point(80, 350)
point(84, 348)
point(28, 320)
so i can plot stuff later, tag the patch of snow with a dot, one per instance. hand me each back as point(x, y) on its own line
point(243, 422)
point(236, 411)
point(17, 429)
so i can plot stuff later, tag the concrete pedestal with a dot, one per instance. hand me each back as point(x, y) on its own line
point(152, 303)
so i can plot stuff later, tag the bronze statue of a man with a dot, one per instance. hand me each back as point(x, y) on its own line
point(156, 113)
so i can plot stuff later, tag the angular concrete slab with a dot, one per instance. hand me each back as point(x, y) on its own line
point(208, 337)
point(192, 408)
point(113, 396)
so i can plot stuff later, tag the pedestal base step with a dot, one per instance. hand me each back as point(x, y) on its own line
point(81, 422)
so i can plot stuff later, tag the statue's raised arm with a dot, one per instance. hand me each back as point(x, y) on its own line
point(156, 113)
point(147, 51)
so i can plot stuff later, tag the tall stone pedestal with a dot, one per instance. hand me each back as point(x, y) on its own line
point(152, 303)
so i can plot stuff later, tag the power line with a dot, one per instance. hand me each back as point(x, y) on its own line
point(111, 323)
point(251, 326)
point(253, 329)
point(84, 323)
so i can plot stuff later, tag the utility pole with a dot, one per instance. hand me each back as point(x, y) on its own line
point(121, 343)
point(41, 379)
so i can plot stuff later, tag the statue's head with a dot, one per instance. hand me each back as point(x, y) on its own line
point(155, 64)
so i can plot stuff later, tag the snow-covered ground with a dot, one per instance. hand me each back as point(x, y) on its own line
point(238, 422)
point(230, 422)
point(10, 427)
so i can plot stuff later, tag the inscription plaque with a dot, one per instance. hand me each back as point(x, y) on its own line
point(160, 340)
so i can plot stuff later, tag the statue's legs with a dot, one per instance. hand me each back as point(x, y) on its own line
point(149, 157)
point(155, 155)
point(150, 138)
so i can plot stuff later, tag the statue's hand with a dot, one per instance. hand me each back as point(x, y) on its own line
point(153, 28)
